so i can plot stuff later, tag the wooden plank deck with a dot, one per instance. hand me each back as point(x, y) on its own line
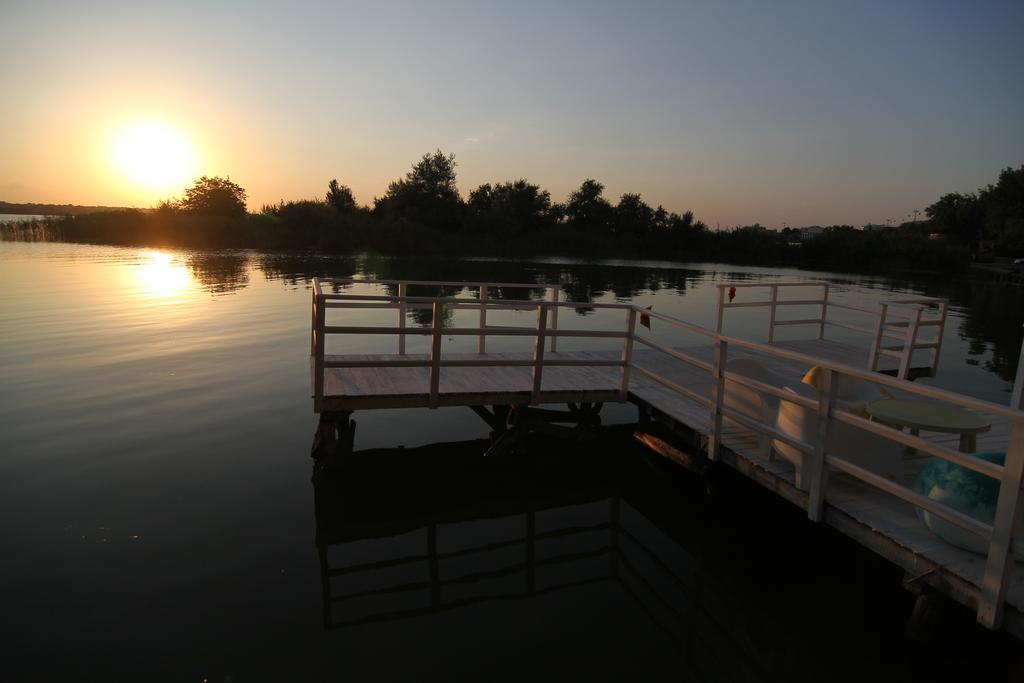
point(873, 518)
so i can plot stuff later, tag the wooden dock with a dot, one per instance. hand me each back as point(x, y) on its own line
point(685, 389)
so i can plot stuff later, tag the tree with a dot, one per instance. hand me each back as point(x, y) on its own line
point(633, 216)
point(512, 206)
point(958, 216)
point(587, 210)
point(1003, 205)
point(427, 194)
point(213, 196)
point(340, 197)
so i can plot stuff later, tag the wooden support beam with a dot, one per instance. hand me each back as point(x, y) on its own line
point(487, 416)
point(662, 447)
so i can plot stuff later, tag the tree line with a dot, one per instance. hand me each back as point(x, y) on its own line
point(428, 197)
point(423, 212)
point(994, 214)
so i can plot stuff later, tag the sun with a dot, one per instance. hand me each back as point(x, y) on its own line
point(154, 155)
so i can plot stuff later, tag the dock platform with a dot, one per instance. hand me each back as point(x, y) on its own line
point(691, 391)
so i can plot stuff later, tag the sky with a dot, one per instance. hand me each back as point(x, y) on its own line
point(780, 113)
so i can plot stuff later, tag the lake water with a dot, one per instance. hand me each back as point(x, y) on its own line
point(159, 519)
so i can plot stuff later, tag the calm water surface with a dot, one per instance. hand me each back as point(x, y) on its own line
point(159, 522)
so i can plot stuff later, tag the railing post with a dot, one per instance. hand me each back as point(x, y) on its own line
point(1017, 397)
point(999, 564)
point(876, 343)
point(538, 352)
point(312, 327)
point(435, 352)
point(909, 344)
point(553, 296)
point(943, 311)
point(771, 313)
point(319, 352)
point(402, 289)
point(481, 341)
point(721, 308)
point(717, 397)
point(627, 353)
point(823, 312)
point(816, 480)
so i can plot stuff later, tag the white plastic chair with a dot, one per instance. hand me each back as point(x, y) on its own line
point(846, 442)
point(760, 407)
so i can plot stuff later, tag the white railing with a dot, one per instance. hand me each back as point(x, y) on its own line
point(998, 535)
point(545, 332)
point(890, 316)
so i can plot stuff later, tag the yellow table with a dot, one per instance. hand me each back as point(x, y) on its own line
point(917, 414)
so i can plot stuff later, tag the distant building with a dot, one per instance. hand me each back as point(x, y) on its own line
point(811, 232)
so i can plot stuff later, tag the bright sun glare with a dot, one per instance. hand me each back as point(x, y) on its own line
point(155, 156)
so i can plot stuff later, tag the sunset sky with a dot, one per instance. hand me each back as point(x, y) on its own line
point(775, 112)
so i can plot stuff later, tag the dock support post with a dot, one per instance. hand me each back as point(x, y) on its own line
point(994, 582)
point(818, 474)
point(717, 397)
point(773, 304)
point(334, 439)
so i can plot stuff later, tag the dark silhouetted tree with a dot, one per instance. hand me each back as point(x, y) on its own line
point(633, 216)
point(427, 195)
point(213, 196)
point(587, 210)
point(958, 216)
point(340, 197)
point(509, 207)
point(1003, 205)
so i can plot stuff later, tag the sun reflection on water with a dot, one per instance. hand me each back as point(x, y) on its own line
point(160, 275)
